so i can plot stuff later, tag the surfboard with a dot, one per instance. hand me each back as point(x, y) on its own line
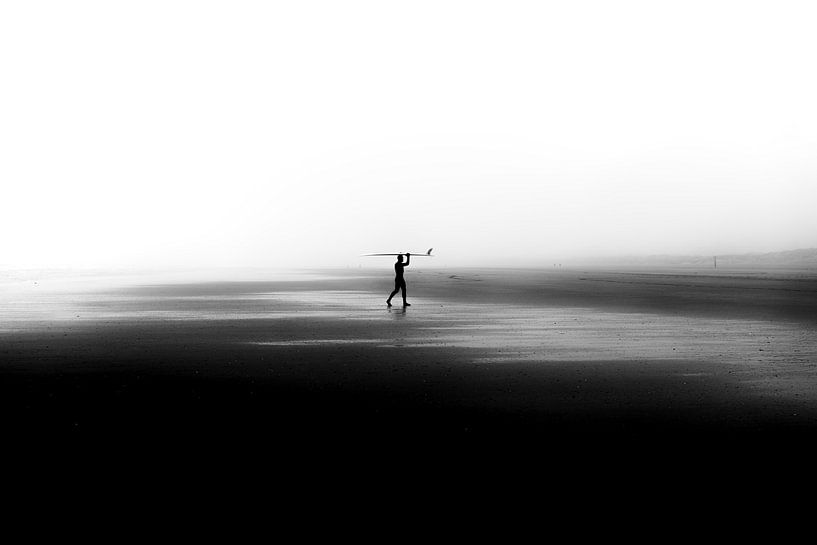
point(427, 254)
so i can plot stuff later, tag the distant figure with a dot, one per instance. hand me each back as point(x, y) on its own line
point(399, 281)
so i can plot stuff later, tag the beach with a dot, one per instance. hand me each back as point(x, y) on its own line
point(571, 360)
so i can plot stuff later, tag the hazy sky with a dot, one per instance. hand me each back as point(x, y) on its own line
point(306, 133)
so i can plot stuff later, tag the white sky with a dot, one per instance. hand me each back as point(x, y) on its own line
point(306, 133)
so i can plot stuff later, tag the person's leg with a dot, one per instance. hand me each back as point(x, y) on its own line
point(403, 288)
point(396, 289)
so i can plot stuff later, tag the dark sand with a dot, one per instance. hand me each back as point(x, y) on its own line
point(581, 365)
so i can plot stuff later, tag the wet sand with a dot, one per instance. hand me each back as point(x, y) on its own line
point(588, 363)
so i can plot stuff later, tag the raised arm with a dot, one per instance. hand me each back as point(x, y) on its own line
point(408, 258)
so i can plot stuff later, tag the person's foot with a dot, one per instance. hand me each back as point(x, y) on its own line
point(406, 304)
point(388, 303)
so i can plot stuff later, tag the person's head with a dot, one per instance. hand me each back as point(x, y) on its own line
point(400, 258)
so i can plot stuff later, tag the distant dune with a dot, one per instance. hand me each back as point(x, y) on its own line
point(795, 259)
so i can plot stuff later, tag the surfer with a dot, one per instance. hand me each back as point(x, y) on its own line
point(399, 281)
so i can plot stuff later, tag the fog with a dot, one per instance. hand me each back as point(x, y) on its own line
point(204, 134)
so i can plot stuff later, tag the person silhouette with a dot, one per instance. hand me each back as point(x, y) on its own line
point(399, 281)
